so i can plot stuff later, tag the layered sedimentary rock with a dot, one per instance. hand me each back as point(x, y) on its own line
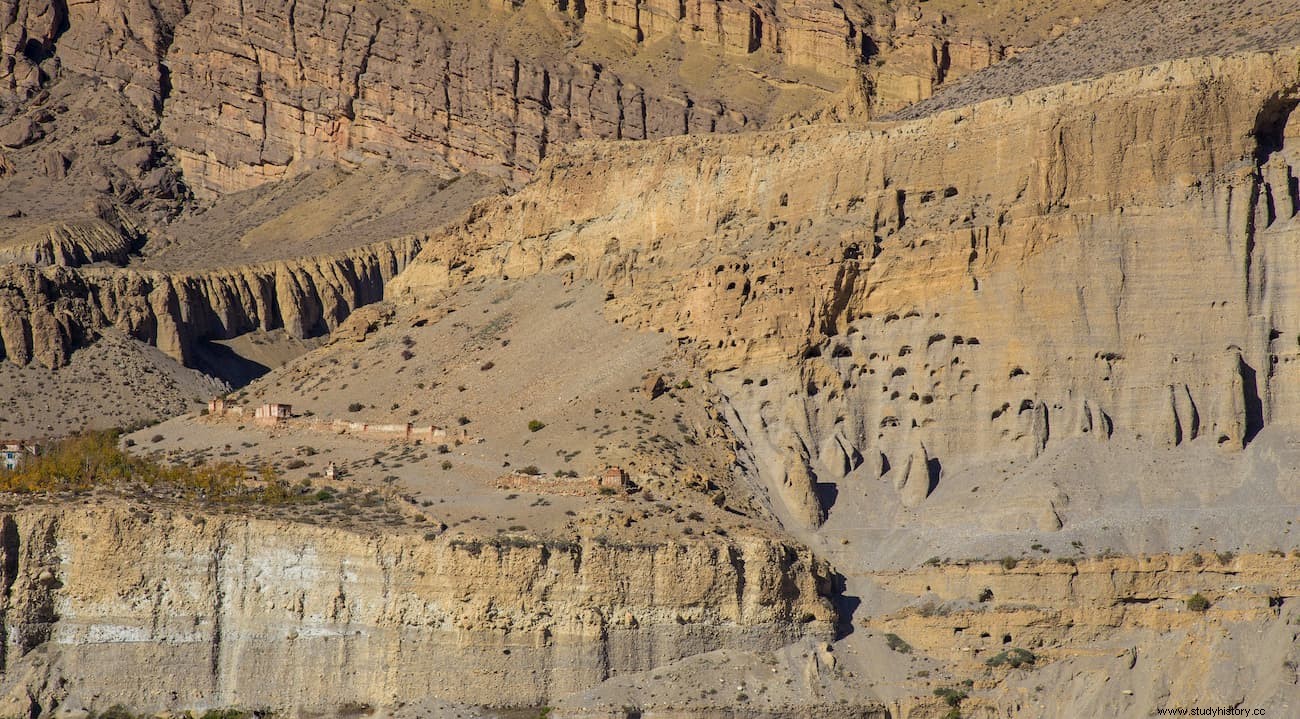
point(50, 311)
point(173, 609)
point(251, 92)
point(71, 244)
point(249, 89)
point(1111, 256)
point(1057, 604)
point(920, 53)
point(1116, 636)
point(259, 87)
point(818, 34)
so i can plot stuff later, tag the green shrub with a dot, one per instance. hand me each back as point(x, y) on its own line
point(1198, 603)
point(446, 464)
point(225, 714)
point(531, 470)
point(354, 709)
point(1014, 658)
point(897, 643)
point(535, 425)
point(355, 407)
point(1009, 563)
point(952, 697)
point(117, 711)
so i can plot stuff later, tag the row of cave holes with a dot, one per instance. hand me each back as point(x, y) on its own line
point(891, 421)
point(840, 351)
point(957, 631)
point(1026, 405)
point(744, 291)
point(926, 197)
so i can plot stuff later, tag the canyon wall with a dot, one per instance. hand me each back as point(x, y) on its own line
point(50, 311)
point(814, 33)
point(1112, 636)
point(1111, 256)
point(171, 608)
point(249, 90)
point(252, 92)
point(259, 87)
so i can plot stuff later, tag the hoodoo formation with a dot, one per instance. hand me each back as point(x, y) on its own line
point(914, 359)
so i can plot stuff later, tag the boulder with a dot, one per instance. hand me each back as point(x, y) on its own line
point(20, 133)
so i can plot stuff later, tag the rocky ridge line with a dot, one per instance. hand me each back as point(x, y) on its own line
point(48, 312)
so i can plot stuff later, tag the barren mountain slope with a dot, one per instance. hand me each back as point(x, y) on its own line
point(895, 352)
point(1128, 35)
point(487, 361)
point(906, 313)
point(989, 411)
point(114, 382)
point(104, 149)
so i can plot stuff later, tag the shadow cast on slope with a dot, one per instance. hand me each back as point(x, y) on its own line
point(224, 363)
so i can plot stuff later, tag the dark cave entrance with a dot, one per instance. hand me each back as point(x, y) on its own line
point(1270, 125)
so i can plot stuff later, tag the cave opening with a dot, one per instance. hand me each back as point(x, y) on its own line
point(1270, 125)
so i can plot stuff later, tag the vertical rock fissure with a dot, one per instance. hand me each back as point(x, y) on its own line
point(544, 102)
point(218, 605)
point(737, 560)
point(9, 547)
point(514, 112)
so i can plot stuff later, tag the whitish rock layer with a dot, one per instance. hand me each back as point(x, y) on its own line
point(169, 608)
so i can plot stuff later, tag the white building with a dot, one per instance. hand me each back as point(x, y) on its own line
point(14, 452)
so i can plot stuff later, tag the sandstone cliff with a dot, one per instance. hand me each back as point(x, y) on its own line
point(1096, 637)
point(168, 608)
point(50, 311)
point(70, 244)
point(1082, 260)
point(251, 92)
point(347, 82)
point(1112, 636)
